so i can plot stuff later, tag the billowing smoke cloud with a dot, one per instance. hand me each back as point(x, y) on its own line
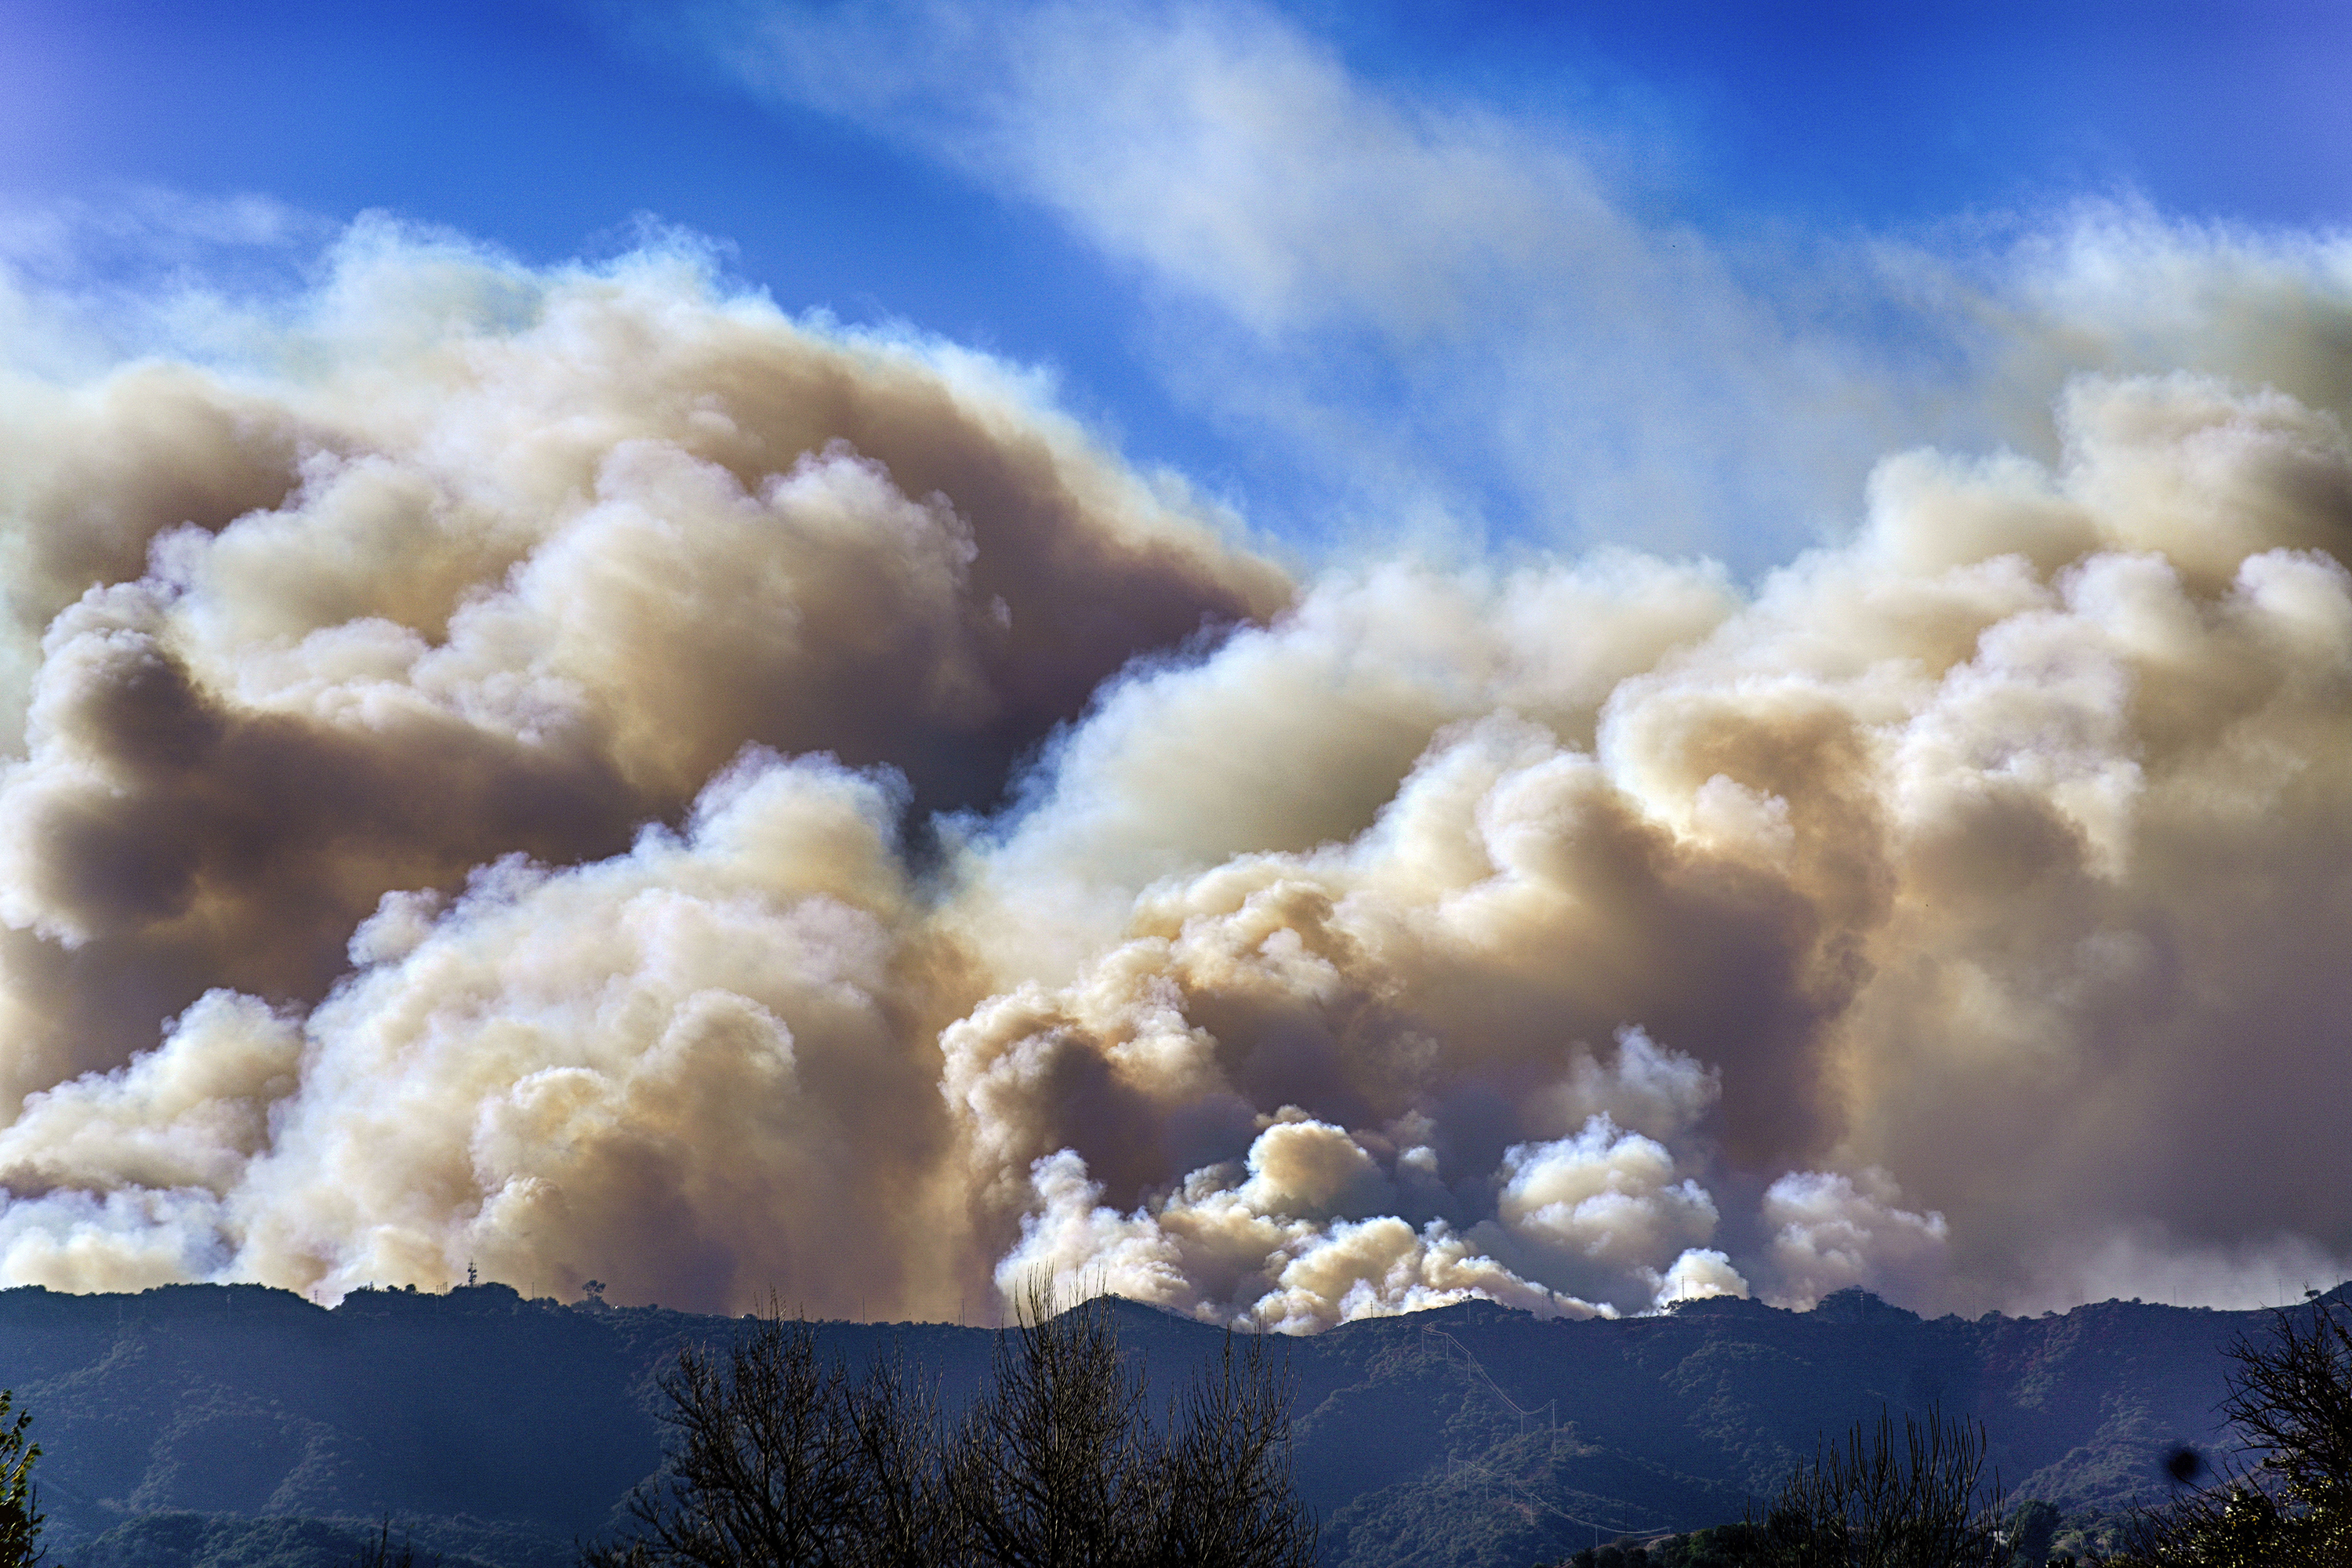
point(333, 667)
point(578, 773)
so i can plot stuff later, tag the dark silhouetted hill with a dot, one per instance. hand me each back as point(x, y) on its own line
point(201, 1427)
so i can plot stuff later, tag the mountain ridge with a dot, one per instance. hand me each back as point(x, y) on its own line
point(501, 1430)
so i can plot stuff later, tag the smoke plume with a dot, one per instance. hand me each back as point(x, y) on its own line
point(577, 774)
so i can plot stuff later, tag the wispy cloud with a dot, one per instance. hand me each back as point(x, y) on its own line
point(88, 280)
point(1428, 314)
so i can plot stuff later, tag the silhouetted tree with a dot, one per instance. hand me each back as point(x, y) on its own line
point(1871, 1502)
point(762, 1466)
point(378, 1553)
point(778, 1461)
point(1231, 1499)
point(1057, 1465)
point(20, 1513)
point(902, 1510)
point(1060, 1463)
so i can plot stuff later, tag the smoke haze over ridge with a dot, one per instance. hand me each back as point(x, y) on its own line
point(578, 772)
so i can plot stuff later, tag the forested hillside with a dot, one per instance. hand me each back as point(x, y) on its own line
point(500, 1429)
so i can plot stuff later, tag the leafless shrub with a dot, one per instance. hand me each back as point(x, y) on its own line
point(1872, 1502)
point(780, 1461)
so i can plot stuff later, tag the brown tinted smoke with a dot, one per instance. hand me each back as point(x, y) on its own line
point(466, 766)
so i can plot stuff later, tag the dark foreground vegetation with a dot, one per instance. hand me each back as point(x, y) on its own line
point(2284, 1502)
point(2288, 1497)
point(20, 1513)
point(783, 1460)
point(1868, 1502)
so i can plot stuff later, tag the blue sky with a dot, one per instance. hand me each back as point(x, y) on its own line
point(1337, 370)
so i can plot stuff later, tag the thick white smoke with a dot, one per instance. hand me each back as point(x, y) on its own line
point(578, 773)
